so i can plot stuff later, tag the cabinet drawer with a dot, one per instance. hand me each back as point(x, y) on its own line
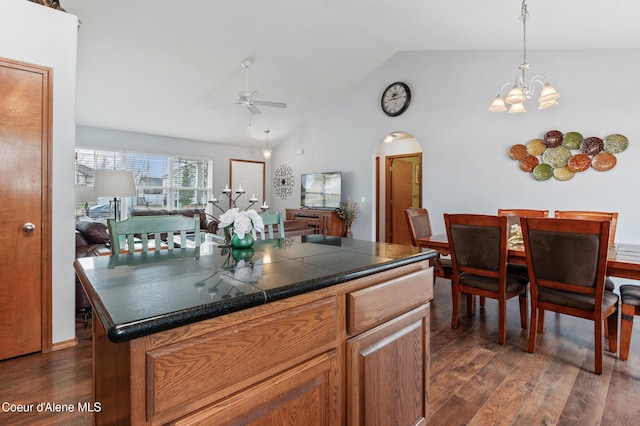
point(211, 367)
point(374, 305)
point(306, 394)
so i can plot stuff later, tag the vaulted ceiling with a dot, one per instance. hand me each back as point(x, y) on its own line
point(173, 68)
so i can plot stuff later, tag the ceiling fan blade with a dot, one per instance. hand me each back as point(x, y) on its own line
point(271, 104)
point(253, 109)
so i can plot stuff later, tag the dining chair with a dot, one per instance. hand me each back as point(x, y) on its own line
point(269, 220)
point(161, 229)
point(514, 216)
point(567, 262)
point(523, 212)
point(478, 245)
point(629, 307)
point(592, 215)
point(420, 227)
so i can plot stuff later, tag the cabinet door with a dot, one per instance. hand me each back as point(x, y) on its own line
point(388, 372)
point(307, 394)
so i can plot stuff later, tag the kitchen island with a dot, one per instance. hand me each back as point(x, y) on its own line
point(302, 330)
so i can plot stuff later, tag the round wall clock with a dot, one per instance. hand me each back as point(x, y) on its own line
point(395, 99)
point(283, 181)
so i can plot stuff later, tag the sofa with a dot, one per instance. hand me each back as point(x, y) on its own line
point(208, 223)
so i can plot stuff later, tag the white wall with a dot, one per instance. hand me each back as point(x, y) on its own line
point(35, 34)
point(466, 167)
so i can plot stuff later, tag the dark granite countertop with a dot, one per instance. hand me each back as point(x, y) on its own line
point(135, 295)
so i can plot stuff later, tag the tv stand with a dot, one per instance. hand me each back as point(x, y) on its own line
point(326, 222)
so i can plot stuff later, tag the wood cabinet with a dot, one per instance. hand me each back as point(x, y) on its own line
point(326, 222)
point(353, 353)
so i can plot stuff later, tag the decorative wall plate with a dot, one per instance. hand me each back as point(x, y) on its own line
point(563, 173)
point(615, 144)
point(591, 145)
point(603, 162)
point(553, 138)
point(556, 157)
point(572, 140)
point(518, 152)
point(536, 147)
point(579, 163)
point(553, 156)
point(529, 163)
point(283, 181)
point(542, 172)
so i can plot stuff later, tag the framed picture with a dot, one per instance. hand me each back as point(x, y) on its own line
point(249, 175)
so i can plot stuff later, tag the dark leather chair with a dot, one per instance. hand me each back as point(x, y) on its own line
point(513, 218)
point(612, 217)
point(420, 227)
point(567, 262)
point(479, 249)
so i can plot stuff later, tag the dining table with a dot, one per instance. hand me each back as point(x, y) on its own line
point(623, 260)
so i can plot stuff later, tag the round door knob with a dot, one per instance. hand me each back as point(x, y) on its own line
point(28, 227)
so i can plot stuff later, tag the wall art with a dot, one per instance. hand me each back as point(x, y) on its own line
point(563, 155)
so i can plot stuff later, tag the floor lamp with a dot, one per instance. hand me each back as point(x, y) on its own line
point(114, 183)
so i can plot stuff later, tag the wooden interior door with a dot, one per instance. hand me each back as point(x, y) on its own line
point(400, 184)
point(25, 111)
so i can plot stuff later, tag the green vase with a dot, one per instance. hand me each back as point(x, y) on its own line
point(242, 254)
point(242, 243)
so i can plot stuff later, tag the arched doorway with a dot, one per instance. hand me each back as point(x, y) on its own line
point(398, 185)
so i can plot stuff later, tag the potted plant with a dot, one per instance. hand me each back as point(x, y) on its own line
point(349, 212)
point(240, 227)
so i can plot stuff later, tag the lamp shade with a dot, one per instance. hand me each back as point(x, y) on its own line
point(266, 152)
point(548, 94)
point(497, 105)
point(519, 107)
point(114, 183)
point(84, 193)
point(515, 96)
point(548, 104)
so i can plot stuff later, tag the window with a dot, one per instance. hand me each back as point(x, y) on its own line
point(162, 182)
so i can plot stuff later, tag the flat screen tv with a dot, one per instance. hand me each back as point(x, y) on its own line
point(321, 190)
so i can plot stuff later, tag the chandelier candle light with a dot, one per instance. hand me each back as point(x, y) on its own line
point(522, 90)
point(232, 201)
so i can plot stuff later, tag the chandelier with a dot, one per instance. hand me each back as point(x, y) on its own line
point(522, 89)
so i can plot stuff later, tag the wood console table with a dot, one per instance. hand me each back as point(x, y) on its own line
point(309, 330)
point(325, 222)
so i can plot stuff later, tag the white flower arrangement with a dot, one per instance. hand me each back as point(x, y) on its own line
point(242, 221)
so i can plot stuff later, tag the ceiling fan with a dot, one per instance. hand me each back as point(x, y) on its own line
point(246, 97)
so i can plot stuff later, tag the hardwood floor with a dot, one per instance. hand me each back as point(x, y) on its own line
point(61, 377)
point(474, 380)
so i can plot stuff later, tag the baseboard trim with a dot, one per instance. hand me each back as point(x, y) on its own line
point(64, 344)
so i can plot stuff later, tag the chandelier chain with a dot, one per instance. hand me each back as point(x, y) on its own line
point(522, 89)
point(524, 14)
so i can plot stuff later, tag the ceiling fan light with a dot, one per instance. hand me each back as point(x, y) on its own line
point(548, 104)
point(548, 93)
point(515, 96)
point(519, 107)
point(498, 105)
